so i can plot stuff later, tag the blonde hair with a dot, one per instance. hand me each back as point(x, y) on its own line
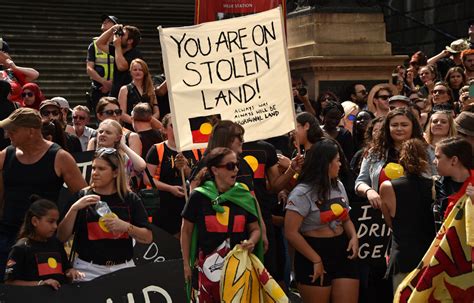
point(452, 128)
point(118, 129)
point(116, 162)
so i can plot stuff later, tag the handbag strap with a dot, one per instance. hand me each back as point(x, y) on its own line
point(150, 178)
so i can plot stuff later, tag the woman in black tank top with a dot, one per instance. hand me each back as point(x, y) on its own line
point(406, 206)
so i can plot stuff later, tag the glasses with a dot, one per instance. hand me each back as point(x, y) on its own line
point(30, 94)
point(46, 113)
point(383, 97)
point(439, 91)
point(111, 112)
point(230, 166)
point(351, 117)
point(105, 151)
point(82, 118)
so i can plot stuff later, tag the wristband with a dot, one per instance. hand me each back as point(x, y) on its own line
point(40, 282)
point(367, 190)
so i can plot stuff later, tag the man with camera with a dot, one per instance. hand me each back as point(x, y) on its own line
point(100, 66)
point(124, 49)
point(300, 96)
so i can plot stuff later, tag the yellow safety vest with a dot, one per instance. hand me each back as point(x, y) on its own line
point(105, 60)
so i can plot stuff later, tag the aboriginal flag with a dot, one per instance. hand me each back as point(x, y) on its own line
point(334, 209)
point(219, 223)
point(49, 263)
point(201, 127)
point(98, 231)
point(255, 160)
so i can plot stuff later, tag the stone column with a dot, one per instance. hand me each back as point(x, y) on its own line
point(333, 46)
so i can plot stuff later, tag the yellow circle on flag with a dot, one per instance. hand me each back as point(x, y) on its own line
point(223, 218)
point(393, 170)
point(245, 186)
point(206, 128)
point(102, 223)
point(252, 161)
point(52, 263)
point(337, 209)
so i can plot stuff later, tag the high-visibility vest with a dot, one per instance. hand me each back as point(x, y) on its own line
point(105, 60)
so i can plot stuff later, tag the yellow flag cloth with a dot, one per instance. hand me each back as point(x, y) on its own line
point(244, 279)
point(445, 273)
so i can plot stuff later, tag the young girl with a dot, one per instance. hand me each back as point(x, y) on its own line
point(38, 258)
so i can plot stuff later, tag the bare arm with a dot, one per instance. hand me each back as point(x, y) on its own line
point(443, 54)
point(122, 99)
point(102, 42)
point(389, 202)
point(66, 167)
point(66, 227)
point(138, 163)
point(176, 190)
point(185, 240)
point(135, 144)
point(92, 143)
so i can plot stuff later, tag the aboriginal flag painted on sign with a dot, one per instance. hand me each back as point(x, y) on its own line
point(49, 263)
point(201, 127)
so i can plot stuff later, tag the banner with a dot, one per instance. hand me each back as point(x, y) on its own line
point(212, 10)
point(234, 69)
point(445, 273)
point(163, 248)
point(155, 282)
point(372, 231)
point(244, 279)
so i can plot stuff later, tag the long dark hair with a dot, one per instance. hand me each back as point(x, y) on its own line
point(223, 133)
point(315, 170)
point(384, 142)
point(39, 208)
point(315, 132)
point(214, 158)
point(459, 147)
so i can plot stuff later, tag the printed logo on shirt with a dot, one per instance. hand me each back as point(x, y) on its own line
point(334, 209)
point(257, 167)
point(49, 263)
point(96, 229)
point(219, 223)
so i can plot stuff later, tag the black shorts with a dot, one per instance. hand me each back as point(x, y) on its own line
point(334, 257)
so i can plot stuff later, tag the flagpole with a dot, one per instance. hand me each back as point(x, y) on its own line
point(184, 184)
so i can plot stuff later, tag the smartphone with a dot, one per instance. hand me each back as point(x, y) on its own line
point(471, 89)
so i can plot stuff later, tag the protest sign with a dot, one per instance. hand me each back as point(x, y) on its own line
point(164, 247)
point(372, 231)
point(234, 69)
point(156, 282)
point(211, 10)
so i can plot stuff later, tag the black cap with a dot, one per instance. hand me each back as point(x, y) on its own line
point(111, 18)
point(5, 48)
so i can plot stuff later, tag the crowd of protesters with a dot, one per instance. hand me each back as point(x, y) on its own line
point(287, 198)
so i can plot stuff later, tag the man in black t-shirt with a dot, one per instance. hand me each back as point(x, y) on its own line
point(124, 49)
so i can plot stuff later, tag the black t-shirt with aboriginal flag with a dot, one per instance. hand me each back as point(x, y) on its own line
point(213, 228)
point(95, 243)
point(31, 260)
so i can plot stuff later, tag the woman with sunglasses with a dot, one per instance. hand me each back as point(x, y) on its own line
point(440, 126)
point(322, 101)
point(103, 238)
point(31, 96)
point(109, 108)
point(318, 226)
point(110, 135)
point(441, 95)
point(141, 89)
point(220, 226)
point(333, 113)
point(16, 75)
point(165, 164)
point(350, 112)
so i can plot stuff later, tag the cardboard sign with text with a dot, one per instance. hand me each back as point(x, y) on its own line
point(234, 69)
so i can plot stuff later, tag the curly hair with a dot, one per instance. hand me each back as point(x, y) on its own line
point(413, 157)
point(384, 142)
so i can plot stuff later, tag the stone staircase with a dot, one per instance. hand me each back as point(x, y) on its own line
point(52, 36)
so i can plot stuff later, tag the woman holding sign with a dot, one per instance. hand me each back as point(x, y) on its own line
point(105, 219)
point(318, 226)
point(224, 214)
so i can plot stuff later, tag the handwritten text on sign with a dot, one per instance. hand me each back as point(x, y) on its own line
point(236, 68)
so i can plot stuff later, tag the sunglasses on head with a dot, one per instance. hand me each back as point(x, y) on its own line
point(229, 165)
point(111, 112)
point(29, 94)
point(105, 151)
point(82, 118)
point(45, 112)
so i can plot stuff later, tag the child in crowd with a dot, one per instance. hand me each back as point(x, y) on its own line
point(38, 258)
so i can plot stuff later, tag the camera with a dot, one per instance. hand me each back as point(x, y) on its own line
point(119, 32)
point(302, 91)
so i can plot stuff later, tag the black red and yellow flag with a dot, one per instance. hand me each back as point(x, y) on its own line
point(445, 274)
point(49, 263)
point(201, 127)
point(257, 167)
